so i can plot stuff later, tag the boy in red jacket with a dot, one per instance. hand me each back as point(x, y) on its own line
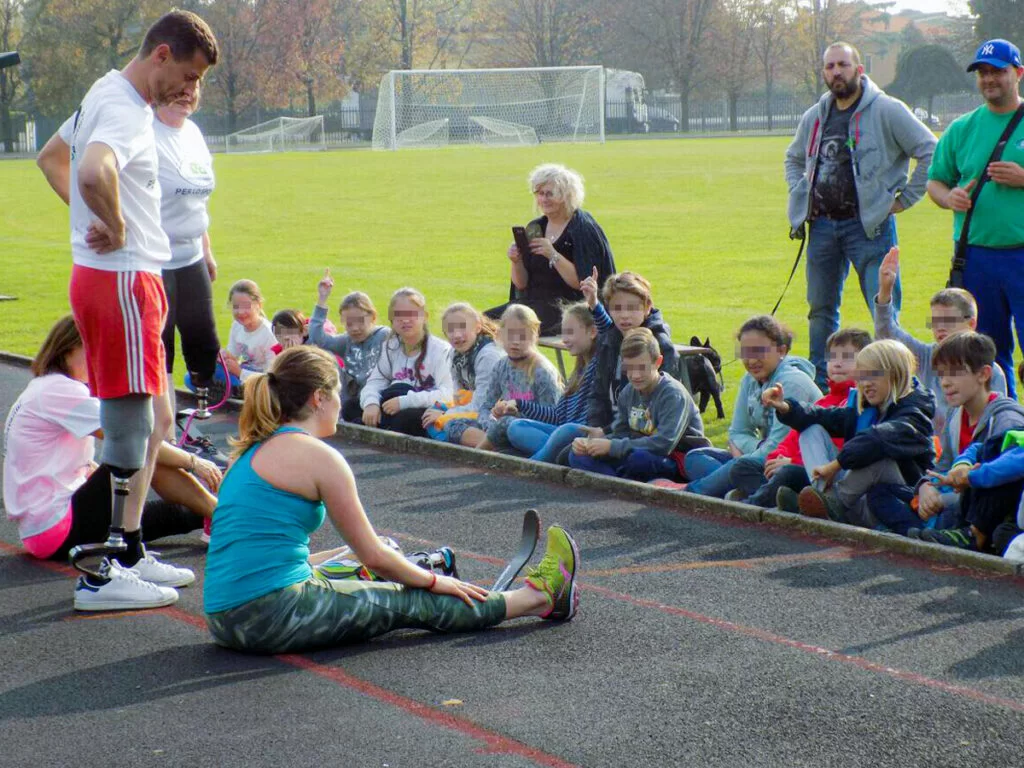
point(783, 475)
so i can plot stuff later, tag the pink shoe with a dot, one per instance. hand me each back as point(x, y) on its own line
point(664, 482)
point(207, 530)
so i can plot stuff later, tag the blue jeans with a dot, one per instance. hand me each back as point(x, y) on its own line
point(709, 470)
point(832, 246)
point(747, 474)
point(637, 465)
point(541, 440)
point(996, 280)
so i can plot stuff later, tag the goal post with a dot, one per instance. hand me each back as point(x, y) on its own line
point(282, 134)
point(493, 107)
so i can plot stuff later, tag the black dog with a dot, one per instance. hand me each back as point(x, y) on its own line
point(705, 371)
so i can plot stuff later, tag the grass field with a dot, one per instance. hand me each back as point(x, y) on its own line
point(703, 219)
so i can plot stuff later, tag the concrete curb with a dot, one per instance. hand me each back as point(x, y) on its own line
point(633, 491)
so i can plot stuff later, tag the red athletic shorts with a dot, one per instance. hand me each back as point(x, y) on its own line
point(120, 316)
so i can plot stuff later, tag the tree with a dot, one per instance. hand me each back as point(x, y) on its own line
point(674, 31)
point(309, 45)
point(247, 73)
point(925, 72)
point(546, 33)
point(770, 42)
point(820, 23)
point(731, 37)
point(998, 18)
point(426, 31)
point(11, 21)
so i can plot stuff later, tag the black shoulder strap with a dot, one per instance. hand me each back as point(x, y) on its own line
point(960, 254)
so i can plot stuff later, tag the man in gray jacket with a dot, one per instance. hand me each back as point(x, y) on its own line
point(847, 171)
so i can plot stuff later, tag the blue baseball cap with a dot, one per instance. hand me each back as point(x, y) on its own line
point(997, 53)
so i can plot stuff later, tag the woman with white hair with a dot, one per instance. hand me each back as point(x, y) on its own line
point(566, 247)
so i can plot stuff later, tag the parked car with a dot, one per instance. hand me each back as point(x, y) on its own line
point(660, 120)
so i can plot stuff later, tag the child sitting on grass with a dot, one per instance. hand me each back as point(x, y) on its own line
point(778, 480)
point(412, 373)
point(627, 297)
point(897, 449)
point(952, 310)
point(358, 347)
point(975, 489)
point(471, 335)
point(524, 374)
point(655, 412)
point(545, 431)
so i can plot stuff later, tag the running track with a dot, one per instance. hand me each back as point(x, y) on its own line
point(699, 642)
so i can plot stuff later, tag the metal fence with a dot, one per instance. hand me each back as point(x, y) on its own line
point(354, 126)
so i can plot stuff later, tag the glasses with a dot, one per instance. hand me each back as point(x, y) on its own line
point(547, 194)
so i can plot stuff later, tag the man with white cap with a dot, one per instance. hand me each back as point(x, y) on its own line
point(993, 270)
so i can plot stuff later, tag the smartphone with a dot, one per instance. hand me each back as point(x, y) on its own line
point(522, 241)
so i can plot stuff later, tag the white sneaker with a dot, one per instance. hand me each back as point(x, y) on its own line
point(123, 592)
point(162, 574)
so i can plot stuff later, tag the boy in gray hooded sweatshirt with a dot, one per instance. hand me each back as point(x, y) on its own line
point(655, 416)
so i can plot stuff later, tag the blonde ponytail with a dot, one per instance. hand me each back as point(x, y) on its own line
point(282, 394)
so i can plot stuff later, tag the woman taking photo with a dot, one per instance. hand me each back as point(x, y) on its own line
point(566, 244)
point(261, 593)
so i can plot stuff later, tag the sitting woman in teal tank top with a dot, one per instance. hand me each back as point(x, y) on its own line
point(261, 593)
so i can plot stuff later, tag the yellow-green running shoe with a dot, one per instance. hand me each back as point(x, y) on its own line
point(555, 575)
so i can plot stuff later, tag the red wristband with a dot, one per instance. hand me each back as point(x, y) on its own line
point(433, 575)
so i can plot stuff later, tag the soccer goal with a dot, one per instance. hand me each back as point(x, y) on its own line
point(282, 134)
point(496, 107)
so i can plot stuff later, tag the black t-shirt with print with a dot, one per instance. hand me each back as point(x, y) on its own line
point(835, 194)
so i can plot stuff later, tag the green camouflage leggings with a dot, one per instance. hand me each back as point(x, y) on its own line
point(322, 612)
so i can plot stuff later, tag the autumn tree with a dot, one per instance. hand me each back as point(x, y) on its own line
point(731, 37)
point(675, 32)
point(772, 29)
point(545, 33)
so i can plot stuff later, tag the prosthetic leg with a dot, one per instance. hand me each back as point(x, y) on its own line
point(115, 543)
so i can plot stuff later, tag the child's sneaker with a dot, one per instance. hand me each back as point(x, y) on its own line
point(162, 574)
point(207, 530)
point(555, 575)
point(122, 590)
point(440, 560)
point(787, 500)
point(821, 504)
point(961, 538)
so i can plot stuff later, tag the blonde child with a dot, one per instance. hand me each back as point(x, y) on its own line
point(358, 347)
point(524, 375)
point(471, 335)
point(412, 373)
point(545, 431)
point(896, 449)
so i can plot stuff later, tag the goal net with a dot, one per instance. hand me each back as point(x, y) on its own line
point(496, 107)
point(282, 134)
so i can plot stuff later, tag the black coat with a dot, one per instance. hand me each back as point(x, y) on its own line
point(599, 408)
point(903, 433)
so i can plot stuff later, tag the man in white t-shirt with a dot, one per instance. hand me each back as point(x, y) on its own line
point(118, 249)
